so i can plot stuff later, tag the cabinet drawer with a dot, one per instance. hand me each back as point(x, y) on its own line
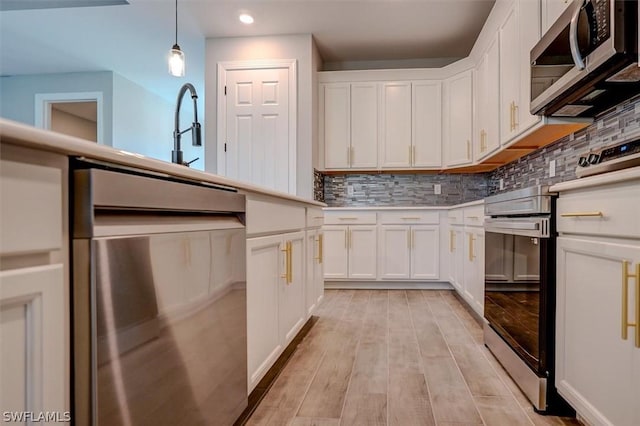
point(267, 217)
point(350, 218)
point(474, 216)
point(455, 217)
point(609, 210)
point(409, 217)
point(315, 217)
point(30, 208)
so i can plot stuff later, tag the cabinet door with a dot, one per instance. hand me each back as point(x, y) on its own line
point(474, 269)
point(32, 339)
point(451, 250)
point(394, 252)
point(425, 252)
point(426, 124)
point(594, 364)
point(529, 31)
point(364, 126)
point(337, 125)
point(319, 267)
point(265, 265)
point(291, 303)
point(314, 285)
point(459, 259)
point(395, 125)
point(459, 119)
point(492, 101)
point(362, 252)
point(336, 257)
point(551, 11)
point(510, 70)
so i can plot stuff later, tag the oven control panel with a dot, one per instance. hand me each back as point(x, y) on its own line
point(611, 158)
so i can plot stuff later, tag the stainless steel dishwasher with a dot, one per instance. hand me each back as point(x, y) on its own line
point(159, 301)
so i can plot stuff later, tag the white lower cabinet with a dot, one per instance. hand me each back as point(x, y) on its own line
point(32, 340)
point(597, 365)
point(408, 252)
point(456, 257)
point(314, 286)
point(474, 268)
point(350, 252)
point(275, 298)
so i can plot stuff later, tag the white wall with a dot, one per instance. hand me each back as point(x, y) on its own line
point(143, 122)
point(17, 94)
point(299, 47)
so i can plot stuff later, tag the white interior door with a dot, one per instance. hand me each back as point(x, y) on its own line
point(257, 127)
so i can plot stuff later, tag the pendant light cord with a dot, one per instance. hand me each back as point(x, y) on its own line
point(176, 21)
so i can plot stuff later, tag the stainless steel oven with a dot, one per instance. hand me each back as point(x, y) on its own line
point(519, 305)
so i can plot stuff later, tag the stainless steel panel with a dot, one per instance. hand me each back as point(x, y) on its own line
point(169, 328)
point(96, 189)
point(534, 387)
point(527, 201)
point(525, 226)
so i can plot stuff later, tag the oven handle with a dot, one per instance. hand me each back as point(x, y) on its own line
point(534, 228)
point(573, 36)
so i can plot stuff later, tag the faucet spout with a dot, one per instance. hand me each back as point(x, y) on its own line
point(196, 128)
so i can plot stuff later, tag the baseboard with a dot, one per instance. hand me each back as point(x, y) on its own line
point(386, 285)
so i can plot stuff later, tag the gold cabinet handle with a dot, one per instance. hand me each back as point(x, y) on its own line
point(288, 275)
point(410, 157)
point(350, 242)
point(582, 214)
point(515, 116)
point(346, 238)
point(468, 149)
point(626, 275)
point(471, 254)
point(408, 239)
point(413, 238)
point(413, 155)
point(349, 156)
point(473, 217)
point(319, 241)
point(410, 218)
point(511, 119)
point(348, 218)
point(451, 240)
point(352, 150)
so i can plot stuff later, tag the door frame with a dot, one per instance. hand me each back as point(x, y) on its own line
point(43, 103)
point(221, 131)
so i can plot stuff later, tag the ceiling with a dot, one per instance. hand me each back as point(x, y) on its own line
point(133, 40)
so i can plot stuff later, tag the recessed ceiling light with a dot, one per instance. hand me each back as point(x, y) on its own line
point(245, 18)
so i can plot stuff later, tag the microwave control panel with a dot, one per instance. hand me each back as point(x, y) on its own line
point(598, 16)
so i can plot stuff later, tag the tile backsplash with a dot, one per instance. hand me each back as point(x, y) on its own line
point(352, 190)
point(619, 125)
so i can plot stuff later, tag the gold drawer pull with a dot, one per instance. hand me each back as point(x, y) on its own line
point(582, 214)
point(348, 218)
point(288, 275)
point(411, 218)
point(318, 217)
point(473, 217)
point(452, 235)
point(626, 275)
point(471, 254)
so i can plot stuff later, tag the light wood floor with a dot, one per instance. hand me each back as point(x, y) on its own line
point(395, 358)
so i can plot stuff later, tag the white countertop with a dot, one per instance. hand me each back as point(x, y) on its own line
point(373, 208)
point(21, 134)
point(598, 180)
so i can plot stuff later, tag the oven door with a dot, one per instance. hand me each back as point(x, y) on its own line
point(516, 278)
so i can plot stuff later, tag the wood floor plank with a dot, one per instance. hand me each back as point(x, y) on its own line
point(404, 353)
point(450, 397)
point(370, 370)
point(399, 314)
point(450, 326)
point(365, 409)
point(477, 372)
point(431, 342)
point(501, 411)
point(305, 421)
point(409, 402)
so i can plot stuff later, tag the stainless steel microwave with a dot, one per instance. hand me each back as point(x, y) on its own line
point(587, 62)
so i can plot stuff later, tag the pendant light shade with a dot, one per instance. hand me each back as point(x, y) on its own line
point(176, 61)
point(176, 56)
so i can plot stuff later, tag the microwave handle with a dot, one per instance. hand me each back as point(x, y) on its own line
point(573, 36)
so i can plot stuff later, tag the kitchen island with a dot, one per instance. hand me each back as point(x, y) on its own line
point(37, 264)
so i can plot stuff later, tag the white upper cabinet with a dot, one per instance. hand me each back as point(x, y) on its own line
point(551, 11)
point(509, 66)
point(364, 126)
point(518, 34)
point(337, 126)
point(487, 102)
point(458, 123)
point(426, 123)
point(395, 125)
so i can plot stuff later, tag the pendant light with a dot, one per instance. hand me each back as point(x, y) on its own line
point(176, 56)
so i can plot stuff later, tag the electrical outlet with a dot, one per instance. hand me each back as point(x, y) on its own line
point(552, 168)
point(437, 189)
point(350, 190)
point(501, 184)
